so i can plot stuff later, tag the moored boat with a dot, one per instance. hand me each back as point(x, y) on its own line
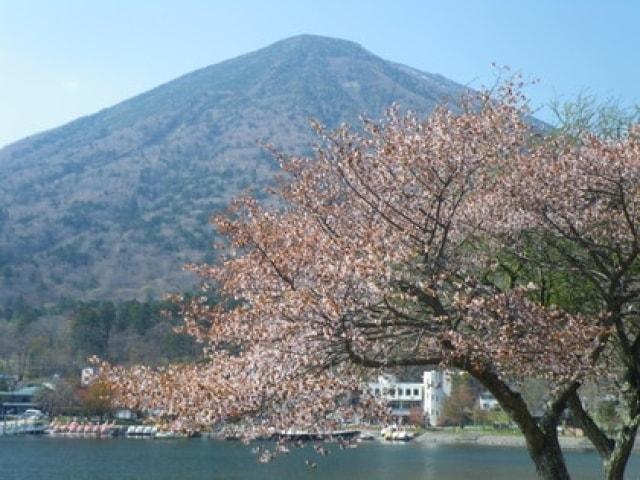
point(168, 434)
point(394, 433)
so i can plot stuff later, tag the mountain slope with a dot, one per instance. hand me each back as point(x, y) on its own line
point(111, 205)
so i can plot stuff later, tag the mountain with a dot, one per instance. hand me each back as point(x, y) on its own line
point(112, 204)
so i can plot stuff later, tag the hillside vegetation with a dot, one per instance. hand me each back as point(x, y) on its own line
point(110, 206)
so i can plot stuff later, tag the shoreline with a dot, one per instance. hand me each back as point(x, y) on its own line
point(492, 440)
point(428, 438)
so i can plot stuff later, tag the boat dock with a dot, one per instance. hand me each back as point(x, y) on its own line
point(25, 426)
point(295, 435)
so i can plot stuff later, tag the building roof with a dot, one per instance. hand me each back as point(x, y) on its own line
point(23, 392)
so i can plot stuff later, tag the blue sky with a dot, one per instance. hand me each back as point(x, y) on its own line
point(63, 59)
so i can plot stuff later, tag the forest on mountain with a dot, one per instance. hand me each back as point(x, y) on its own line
point(38, 343)
point(112, 205)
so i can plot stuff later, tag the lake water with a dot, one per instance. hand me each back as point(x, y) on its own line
point(35, 458)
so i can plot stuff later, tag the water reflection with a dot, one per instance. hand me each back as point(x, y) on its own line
point(27, 458)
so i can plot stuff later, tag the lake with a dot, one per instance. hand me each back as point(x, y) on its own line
point(34, 458)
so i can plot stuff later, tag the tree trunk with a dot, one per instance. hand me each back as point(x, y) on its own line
point(615, 465)
point(541, 437)
point(548, 458)
point(613, 452)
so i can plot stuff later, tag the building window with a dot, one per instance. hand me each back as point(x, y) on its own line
point(416, 392)
point(407, 392)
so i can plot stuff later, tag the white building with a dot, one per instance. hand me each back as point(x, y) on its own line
point(486, 401)
point(124, 414)
point(401, 396)
point(437, 387)
point(86, 376)
point(427, 396)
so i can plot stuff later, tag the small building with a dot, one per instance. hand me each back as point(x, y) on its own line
point(124, 414)
point(17, 401)
point(486, 401)
point(87, 375)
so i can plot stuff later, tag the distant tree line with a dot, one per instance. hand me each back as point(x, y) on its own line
point(40, 342)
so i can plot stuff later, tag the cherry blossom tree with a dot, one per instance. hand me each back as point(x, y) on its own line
point(382, 252)
point(580, 192)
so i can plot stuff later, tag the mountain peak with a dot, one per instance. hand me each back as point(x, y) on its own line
point(111, 205)
point(318, 44)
